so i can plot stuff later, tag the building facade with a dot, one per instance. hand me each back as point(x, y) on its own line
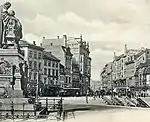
point(129, 70)
point(81, 54)
point(63, 53)
point(33, 55)
point(51, 74)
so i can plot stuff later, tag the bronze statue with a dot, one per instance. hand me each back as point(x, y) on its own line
point(10, 28)
point(3, 20)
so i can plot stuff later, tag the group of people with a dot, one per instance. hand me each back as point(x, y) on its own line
point(119, 93)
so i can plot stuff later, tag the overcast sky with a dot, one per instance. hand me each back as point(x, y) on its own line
point(107, 24)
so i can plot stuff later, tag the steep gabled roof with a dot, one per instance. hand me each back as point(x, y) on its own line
point(67, 50)
point(140, 53)
point(24, 43)
point(50, 56)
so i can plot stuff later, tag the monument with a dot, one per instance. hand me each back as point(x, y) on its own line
point(10, 54)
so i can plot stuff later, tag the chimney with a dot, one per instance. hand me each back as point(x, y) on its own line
point(125, 49)
point(43, 37)
point(81, 37)
point(57, 37)
point(34, 42)
point(114, 55)
point(65, 40)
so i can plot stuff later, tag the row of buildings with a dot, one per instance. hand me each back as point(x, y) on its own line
point(131, 70)
point(59, 65)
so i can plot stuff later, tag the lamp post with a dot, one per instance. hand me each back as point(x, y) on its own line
point(37, 87)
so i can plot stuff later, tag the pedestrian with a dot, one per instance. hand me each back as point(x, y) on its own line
point(94, 96)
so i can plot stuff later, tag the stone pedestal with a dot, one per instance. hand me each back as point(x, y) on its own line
point(11, 57)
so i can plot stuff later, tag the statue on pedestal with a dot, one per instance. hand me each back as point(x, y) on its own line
point(10, 28)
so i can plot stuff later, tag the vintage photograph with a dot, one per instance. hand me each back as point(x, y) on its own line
point(74, 60)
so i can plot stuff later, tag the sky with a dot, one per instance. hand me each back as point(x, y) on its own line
point(107, 24)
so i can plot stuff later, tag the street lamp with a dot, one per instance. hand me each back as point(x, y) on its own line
point(37, 87)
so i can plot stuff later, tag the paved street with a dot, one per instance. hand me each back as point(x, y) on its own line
point(69, 102)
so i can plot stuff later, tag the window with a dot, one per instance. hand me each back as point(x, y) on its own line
point(45, 63)
point(56, 64)
point(143, 58)
point(69, 79)
point(53, 72)
point(35, 65)
point(49, 72)
point(35, 54)
point(30, 64)
point(39, 55)
point(45, 71)
point(44, 80)
point(53, 64)
point(49, 63)
point(66, 79)
point(133, 57)
point(56, 72)
point(51, 44)
point(30, 54)
point(35, 76)
point(39, 65)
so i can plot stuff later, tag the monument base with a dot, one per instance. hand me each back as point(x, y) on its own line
point(15, 93)
point(10, 57)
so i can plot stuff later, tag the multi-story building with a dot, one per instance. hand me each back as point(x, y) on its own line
point(50, 68)
point(51, 75)
point(63, 53)
point(142, 65)
point(62, 76)
point(80, 51)
point(130, 69)
point(33, 55)
point(107, 76)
